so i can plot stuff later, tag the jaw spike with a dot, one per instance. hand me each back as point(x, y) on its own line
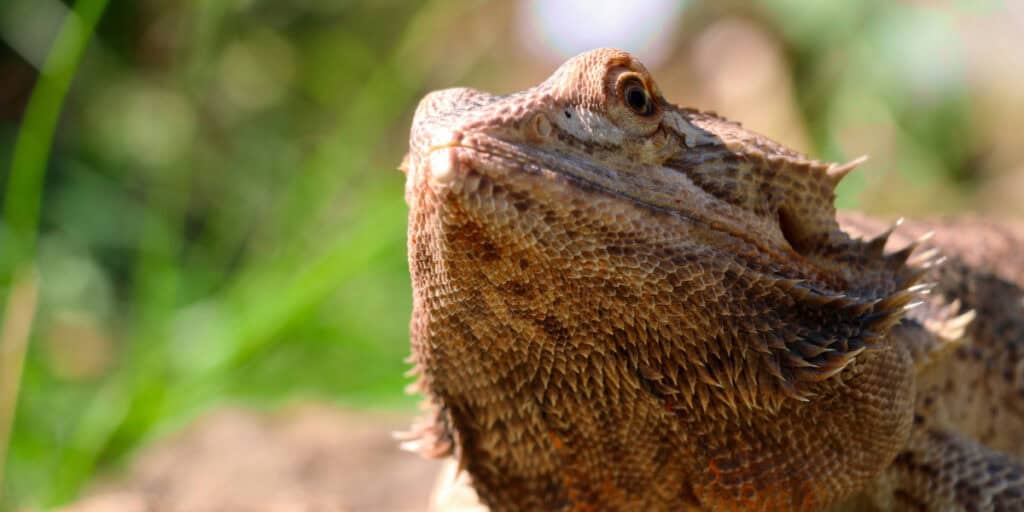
point(837, 172)
point(901, 256)
point(877, 244)
point(925, 256)
point(934, 262)
point(913, 305)
point(922, 288)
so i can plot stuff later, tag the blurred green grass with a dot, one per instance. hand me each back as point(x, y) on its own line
point(234, 265)
point(222, 218)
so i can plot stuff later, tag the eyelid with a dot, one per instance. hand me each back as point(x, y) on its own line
point(629, 79)
point(635, 81)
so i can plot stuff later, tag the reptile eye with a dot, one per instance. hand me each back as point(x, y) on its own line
point(637, 97)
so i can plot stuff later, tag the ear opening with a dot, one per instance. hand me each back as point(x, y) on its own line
point(794, 232)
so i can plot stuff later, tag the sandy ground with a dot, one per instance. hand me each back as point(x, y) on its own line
point(309, 458)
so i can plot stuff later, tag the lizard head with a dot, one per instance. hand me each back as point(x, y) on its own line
point(596, 146)
point(585, 239)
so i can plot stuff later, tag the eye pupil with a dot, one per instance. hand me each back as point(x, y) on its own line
point(638, 100)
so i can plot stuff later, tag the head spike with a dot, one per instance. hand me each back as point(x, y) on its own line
point(837, 172)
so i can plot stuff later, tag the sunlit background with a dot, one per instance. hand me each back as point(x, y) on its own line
point(222, 226)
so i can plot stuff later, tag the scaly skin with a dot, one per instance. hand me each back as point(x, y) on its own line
point(620, 304)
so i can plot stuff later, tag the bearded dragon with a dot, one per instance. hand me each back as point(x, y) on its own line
point(620, 304)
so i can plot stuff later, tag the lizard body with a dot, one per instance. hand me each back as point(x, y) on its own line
point(620, 304)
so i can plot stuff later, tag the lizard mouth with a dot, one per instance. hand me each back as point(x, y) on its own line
point(510, 162)
point(658, 190)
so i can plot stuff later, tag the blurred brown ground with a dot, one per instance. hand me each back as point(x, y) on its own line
point(305, 458)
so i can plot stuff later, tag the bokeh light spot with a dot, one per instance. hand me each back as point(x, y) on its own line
point(565, 28)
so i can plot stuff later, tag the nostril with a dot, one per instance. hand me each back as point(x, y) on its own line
point(444, 139)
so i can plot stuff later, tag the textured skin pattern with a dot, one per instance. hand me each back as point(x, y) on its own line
point(620, 304)
point(968, 434)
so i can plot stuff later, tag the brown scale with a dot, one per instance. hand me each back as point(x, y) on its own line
point(620, 304)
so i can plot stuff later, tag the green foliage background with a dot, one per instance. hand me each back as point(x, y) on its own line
point(222, 219)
